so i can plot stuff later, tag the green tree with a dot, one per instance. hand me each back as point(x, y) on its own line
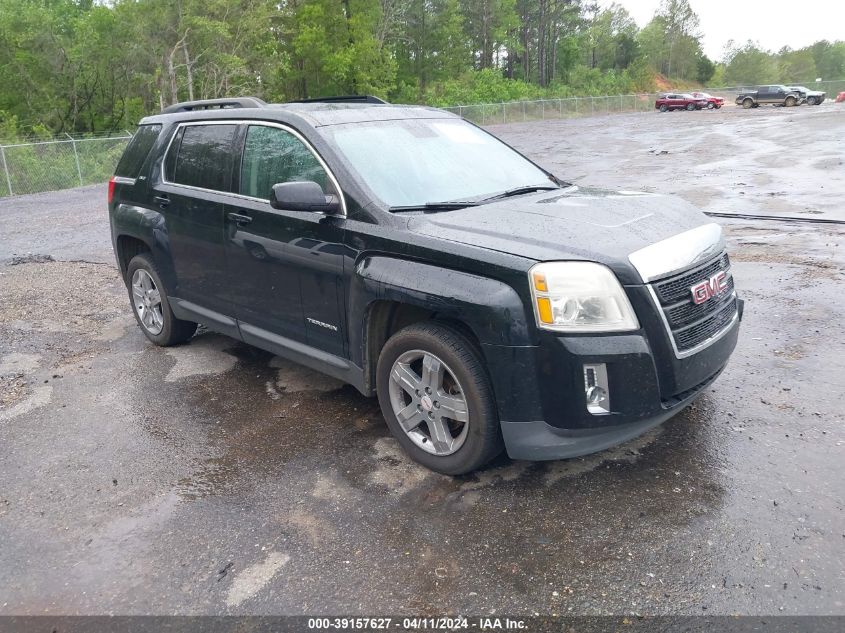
point(489, 25)
point(750, 65)
point(796, 66)
point(829, 58)
point(706, 69)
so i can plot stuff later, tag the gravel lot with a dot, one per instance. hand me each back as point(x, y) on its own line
point(213, 478)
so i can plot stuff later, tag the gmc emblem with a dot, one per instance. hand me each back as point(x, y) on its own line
point(709, 288)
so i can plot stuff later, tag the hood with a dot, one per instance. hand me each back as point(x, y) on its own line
point(574, 224)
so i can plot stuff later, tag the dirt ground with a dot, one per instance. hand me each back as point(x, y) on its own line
point(213, 478)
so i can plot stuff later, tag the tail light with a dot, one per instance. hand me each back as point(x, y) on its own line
point(111, 189)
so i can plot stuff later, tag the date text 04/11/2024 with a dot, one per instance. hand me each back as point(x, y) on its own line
point(416, 624)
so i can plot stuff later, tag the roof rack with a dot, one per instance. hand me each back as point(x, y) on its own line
point(215, 104)
point(343, 99)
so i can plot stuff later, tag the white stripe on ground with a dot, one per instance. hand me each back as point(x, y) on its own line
point(254, 578)
point(40, 396)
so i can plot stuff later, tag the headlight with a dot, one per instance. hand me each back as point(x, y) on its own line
point(580, 297)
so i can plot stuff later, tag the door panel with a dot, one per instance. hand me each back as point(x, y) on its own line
point(199, 156)
point(285, 270)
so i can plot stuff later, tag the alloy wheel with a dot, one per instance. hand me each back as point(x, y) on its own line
point(429, 402)
point(146, 298)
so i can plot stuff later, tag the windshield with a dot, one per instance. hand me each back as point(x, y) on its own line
point(412, 162)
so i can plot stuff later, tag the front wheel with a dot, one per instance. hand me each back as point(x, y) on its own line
point(790, 101)
point(747, 103)
point(811, 101)
point(664, 107)
point(151, 306)
point(437, 400)
point(711, 105)
point(690, 107)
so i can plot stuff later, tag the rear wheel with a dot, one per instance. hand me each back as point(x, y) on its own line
point(710, 105)
point(811, 101)
point(790, 101)
point(664, 107)
point(690, 107)
point(151, 306)
point(747, 103)
point(437, 400)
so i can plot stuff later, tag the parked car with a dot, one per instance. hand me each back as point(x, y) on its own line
point(810, 97)
point(840, 97)
point(774, 95)
point(487, 303)
point(712, 102)
point(677, 101)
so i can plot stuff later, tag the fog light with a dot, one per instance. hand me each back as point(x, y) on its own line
point(596, 389)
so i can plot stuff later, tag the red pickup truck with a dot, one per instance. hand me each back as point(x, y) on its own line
point(712, 102)
point(679, 101)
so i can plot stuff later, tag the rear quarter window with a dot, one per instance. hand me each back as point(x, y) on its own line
point(137, 151)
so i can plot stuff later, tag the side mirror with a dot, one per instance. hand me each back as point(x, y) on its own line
point(302, 195)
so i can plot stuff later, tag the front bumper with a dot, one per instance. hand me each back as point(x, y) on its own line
point(538, 440)
point(541, 394)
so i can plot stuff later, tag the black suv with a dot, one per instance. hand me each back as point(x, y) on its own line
point(487, 303)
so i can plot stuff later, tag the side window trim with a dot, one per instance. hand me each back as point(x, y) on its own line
point(239, 144)
point(174, 145)
point(329, 174)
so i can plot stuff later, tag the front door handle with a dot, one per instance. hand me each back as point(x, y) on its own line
point(162, 201)
point(239, 218)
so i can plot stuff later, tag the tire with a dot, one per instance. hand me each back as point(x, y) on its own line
point(811, 101)
point(711, 105)
point(155, 320)
point(664, 108)
point(747, 103)
point(790, 101)
point(690, 107)
point(404, 385)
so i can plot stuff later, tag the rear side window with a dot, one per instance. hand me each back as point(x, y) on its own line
point(136, 152)
point(273, 155)
point(204, 157)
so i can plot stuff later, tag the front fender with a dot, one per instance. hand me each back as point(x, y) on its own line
point(490, 308)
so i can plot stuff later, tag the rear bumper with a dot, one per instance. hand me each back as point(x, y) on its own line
point(541, 397)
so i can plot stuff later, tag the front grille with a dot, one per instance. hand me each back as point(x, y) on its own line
point(686, 312)
point(694, 334)
point(691, 324)
point(675, 288)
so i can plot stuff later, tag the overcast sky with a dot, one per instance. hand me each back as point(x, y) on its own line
point(772, 23)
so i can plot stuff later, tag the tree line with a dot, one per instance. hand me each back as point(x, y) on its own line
point(77, 66)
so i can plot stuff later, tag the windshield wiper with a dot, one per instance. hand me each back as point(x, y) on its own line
point(436, 206)
point(518, 191)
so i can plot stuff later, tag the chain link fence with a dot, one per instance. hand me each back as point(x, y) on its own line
point(71, 162)
point(542, 109)
point(564, 108)
point(58, 164)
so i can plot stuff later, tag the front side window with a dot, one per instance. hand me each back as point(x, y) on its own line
point(273, 155)
point(204, 157)
point(412, 162)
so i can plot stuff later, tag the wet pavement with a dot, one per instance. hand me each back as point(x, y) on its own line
point(214, 478)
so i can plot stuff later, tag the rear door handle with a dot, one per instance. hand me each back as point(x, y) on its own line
point(239, 219)
point(162, 201)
